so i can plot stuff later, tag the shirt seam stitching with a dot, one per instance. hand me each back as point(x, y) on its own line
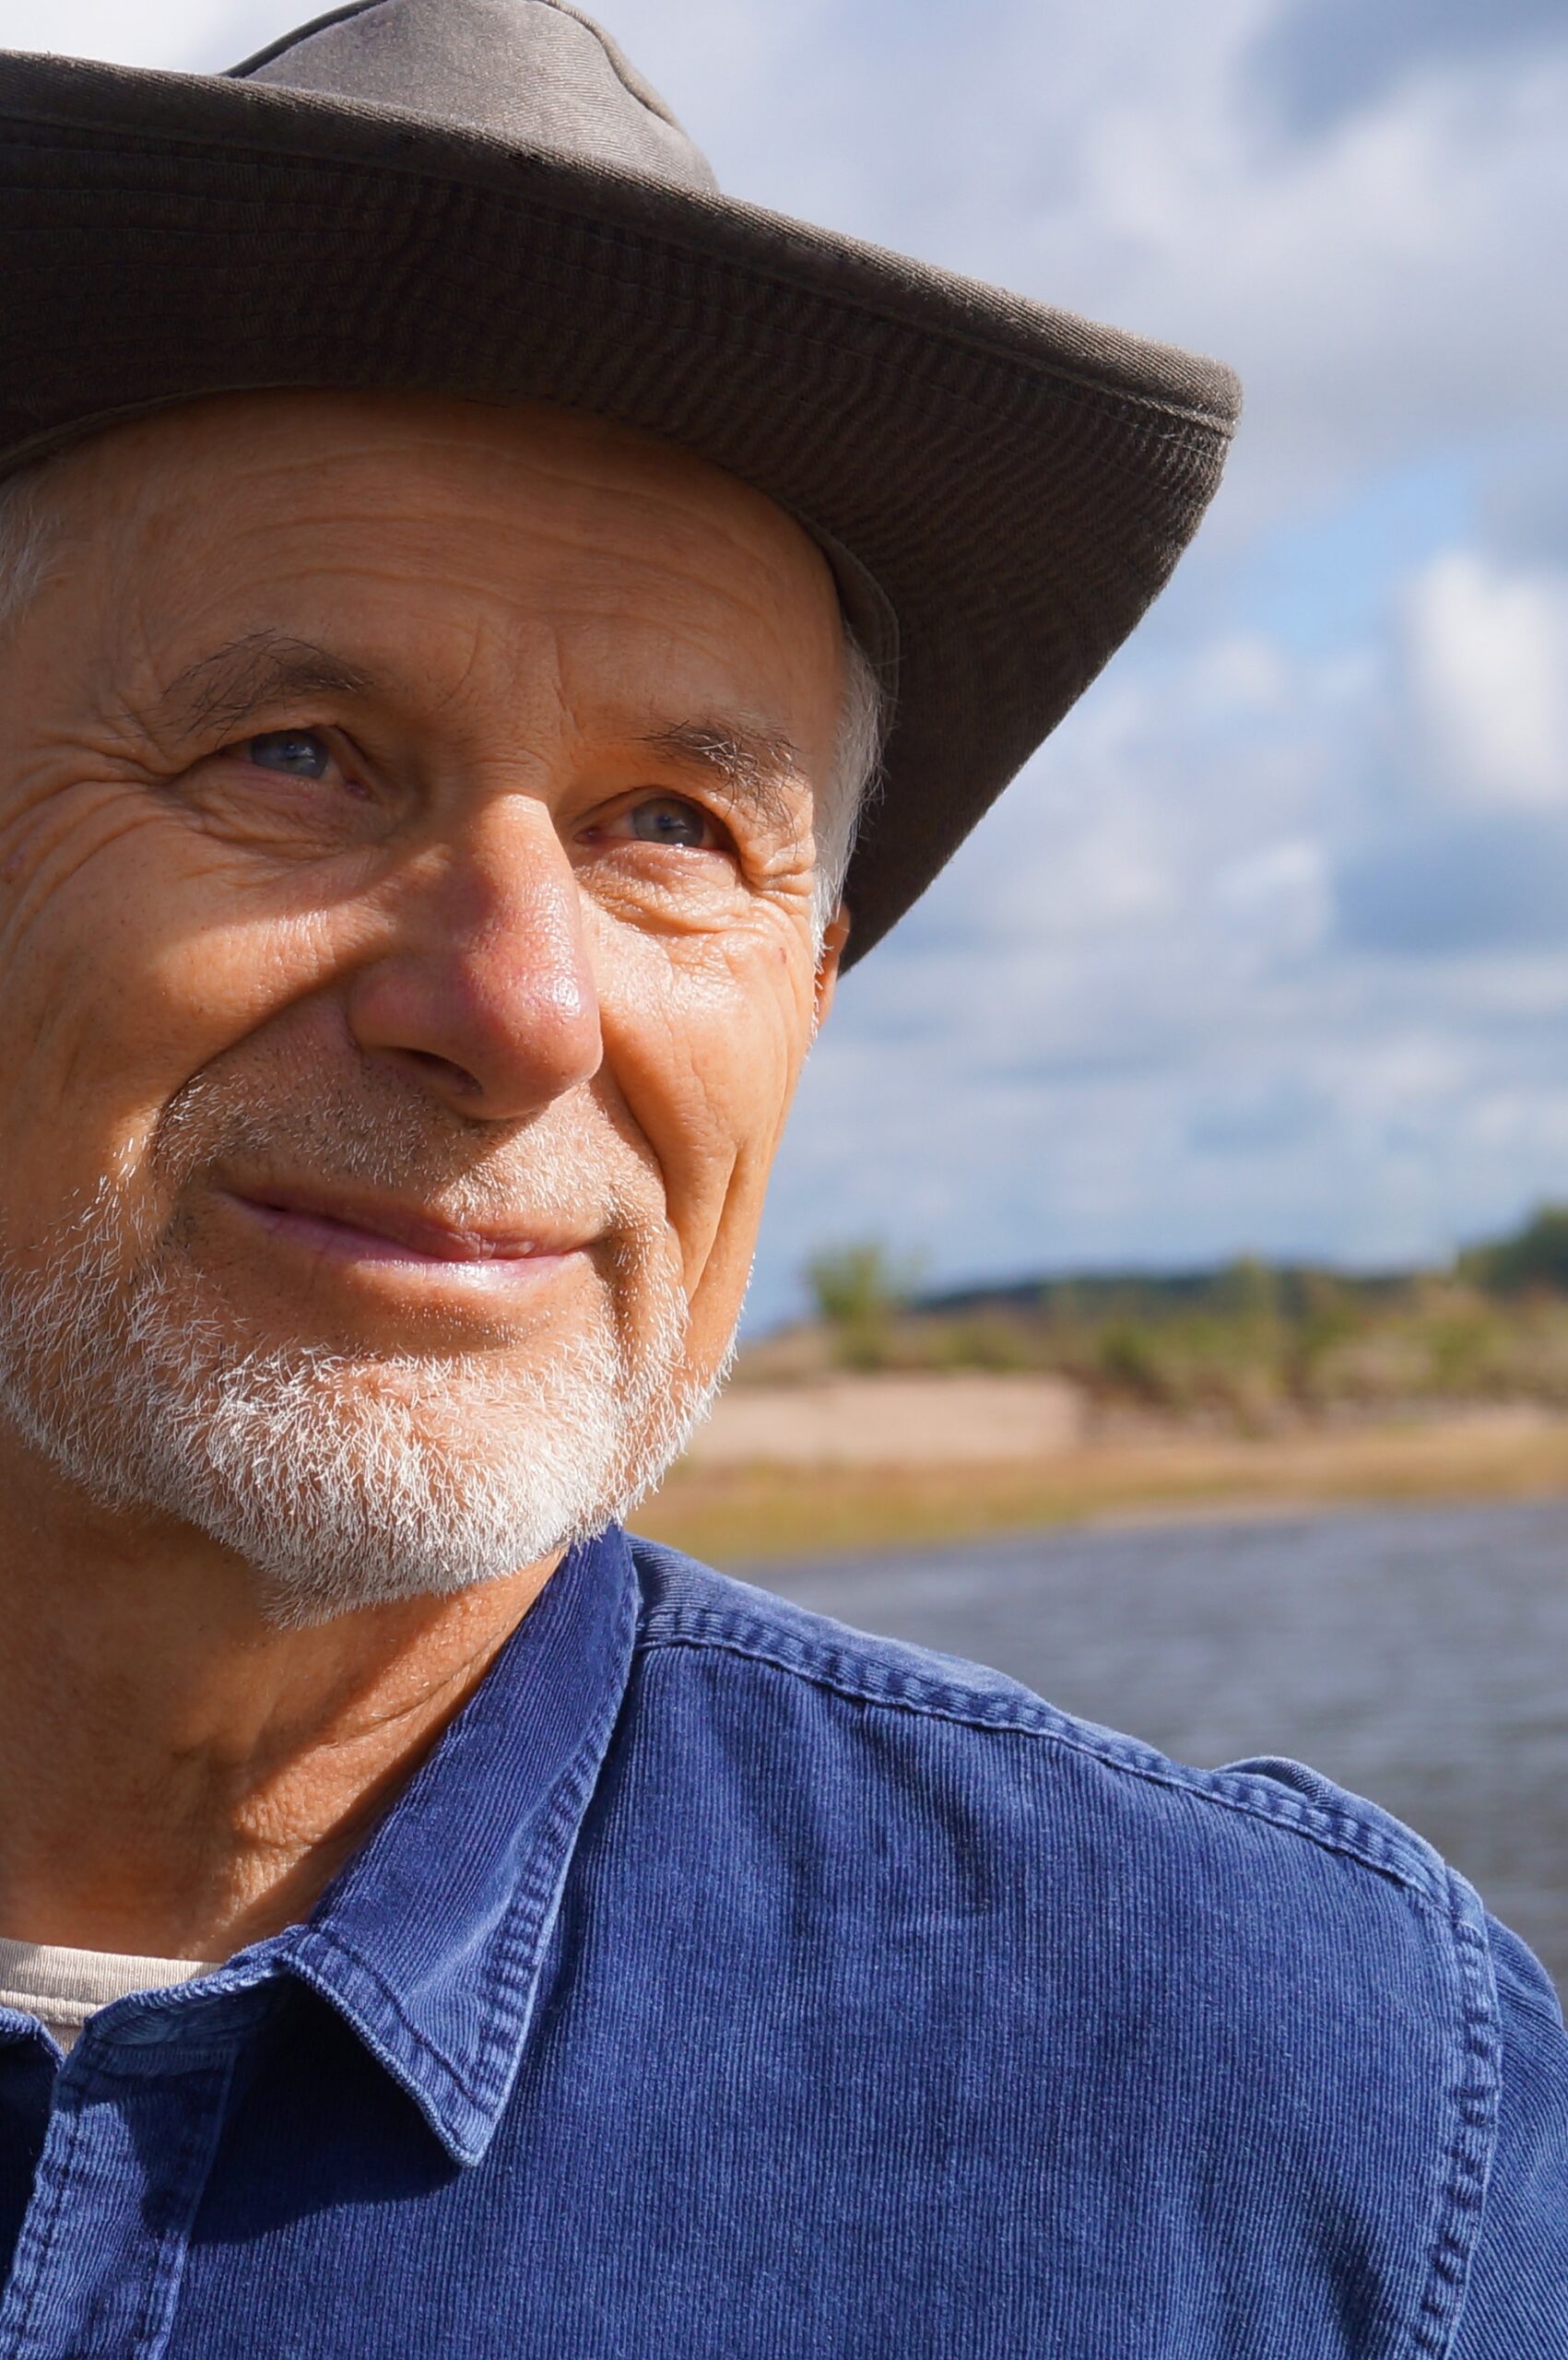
point(1472, 2146)
point(1352, 1840)
point(171, 2247)
point(566, 1800)
point(52, 2225)
point(1472, 2099)
point(481, 2097)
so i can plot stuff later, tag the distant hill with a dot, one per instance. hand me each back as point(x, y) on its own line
point(1531, 1260)
point(1289, 1289)
point(1248, 1340)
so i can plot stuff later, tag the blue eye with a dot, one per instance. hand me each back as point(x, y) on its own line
point(669, 822)
point(301, 752)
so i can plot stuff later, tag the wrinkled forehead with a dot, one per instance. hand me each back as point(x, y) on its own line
point(397, 450)
point(185, 455)
point(378, 512)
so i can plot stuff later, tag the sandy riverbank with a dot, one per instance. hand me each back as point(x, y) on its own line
point(735, 1513)
point(895, 1421)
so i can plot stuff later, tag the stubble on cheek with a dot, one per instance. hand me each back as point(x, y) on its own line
point(341, 1480)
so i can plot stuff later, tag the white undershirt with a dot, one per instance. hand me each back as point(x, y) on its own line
point(64, 1987)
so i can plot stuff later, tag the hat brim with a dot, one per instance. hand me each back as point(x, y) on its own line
point(1016, 483)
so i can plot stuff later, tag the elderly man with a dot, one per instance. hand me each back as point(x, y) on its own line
point(461, 578)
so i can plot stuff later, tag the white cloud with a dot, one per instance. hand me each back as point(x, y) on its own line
point(1270, 946)
point(1243, 672)
point(1283, 890)
point(1487, 656)
point(181, 36)
point(1198, 990)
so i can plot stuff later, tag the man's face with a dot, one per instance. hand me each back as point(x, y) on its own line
point(406, 944)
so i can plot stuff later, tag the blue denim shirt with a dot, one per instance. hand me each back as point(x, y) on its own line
point(730, 1986)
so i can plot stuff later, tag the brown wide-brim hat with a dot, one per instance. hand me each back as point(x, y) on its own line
point(482, 198)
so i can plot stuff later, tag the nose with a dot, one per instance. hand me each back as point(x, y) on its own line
point(484, 994)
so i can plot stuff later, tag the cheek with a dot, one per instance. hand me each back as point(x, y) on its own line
point(128, 962)
point(705, 1045)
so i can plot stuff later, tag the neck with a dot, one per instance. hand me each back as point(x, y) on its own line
point(179, 1777)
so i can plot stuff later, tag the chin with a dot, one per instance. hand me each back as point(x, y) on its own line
point(343, 1477)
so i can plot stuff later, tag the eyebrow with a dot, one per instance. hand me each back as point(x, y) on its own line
point(263, 668)
point(753, 769)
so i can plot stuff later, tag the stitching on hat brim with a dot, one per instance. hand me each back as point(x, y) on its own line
point(688, 237)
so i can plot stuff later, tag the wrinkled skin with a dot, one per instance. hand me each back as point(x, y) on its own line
point(473, 872)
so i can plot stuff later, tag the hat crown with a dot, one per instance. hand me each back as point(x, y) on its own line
point(535, 73)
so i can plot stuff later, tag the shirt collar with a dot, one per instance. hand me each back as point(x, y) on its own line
point(431, 1941)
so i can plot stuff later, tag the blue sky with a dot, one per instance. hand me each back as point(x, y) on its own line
point(1267, 948)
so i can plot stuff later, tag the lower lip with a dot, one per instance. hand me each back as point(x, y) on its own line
point(339, 1241)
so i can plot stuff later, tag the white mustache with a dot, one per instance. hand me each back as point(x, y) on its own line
point(373, 1130)
point(343, 1480)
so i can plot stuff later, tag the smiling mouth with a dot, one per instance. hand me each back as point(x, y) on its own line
point(380, 1232)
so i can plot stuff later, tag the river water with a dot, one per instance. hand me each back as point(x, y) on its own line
point(1417, 1656)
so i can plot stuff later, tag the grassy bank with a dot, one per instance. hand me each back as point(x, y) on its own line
point(1252, 1344)
point(739, 1517)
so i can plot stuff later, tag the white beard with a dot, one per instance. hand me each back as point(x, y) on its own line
point(341, 1482)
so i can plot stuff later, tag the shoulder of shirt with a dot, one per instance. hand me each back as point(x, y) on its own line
point(688, 1605)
